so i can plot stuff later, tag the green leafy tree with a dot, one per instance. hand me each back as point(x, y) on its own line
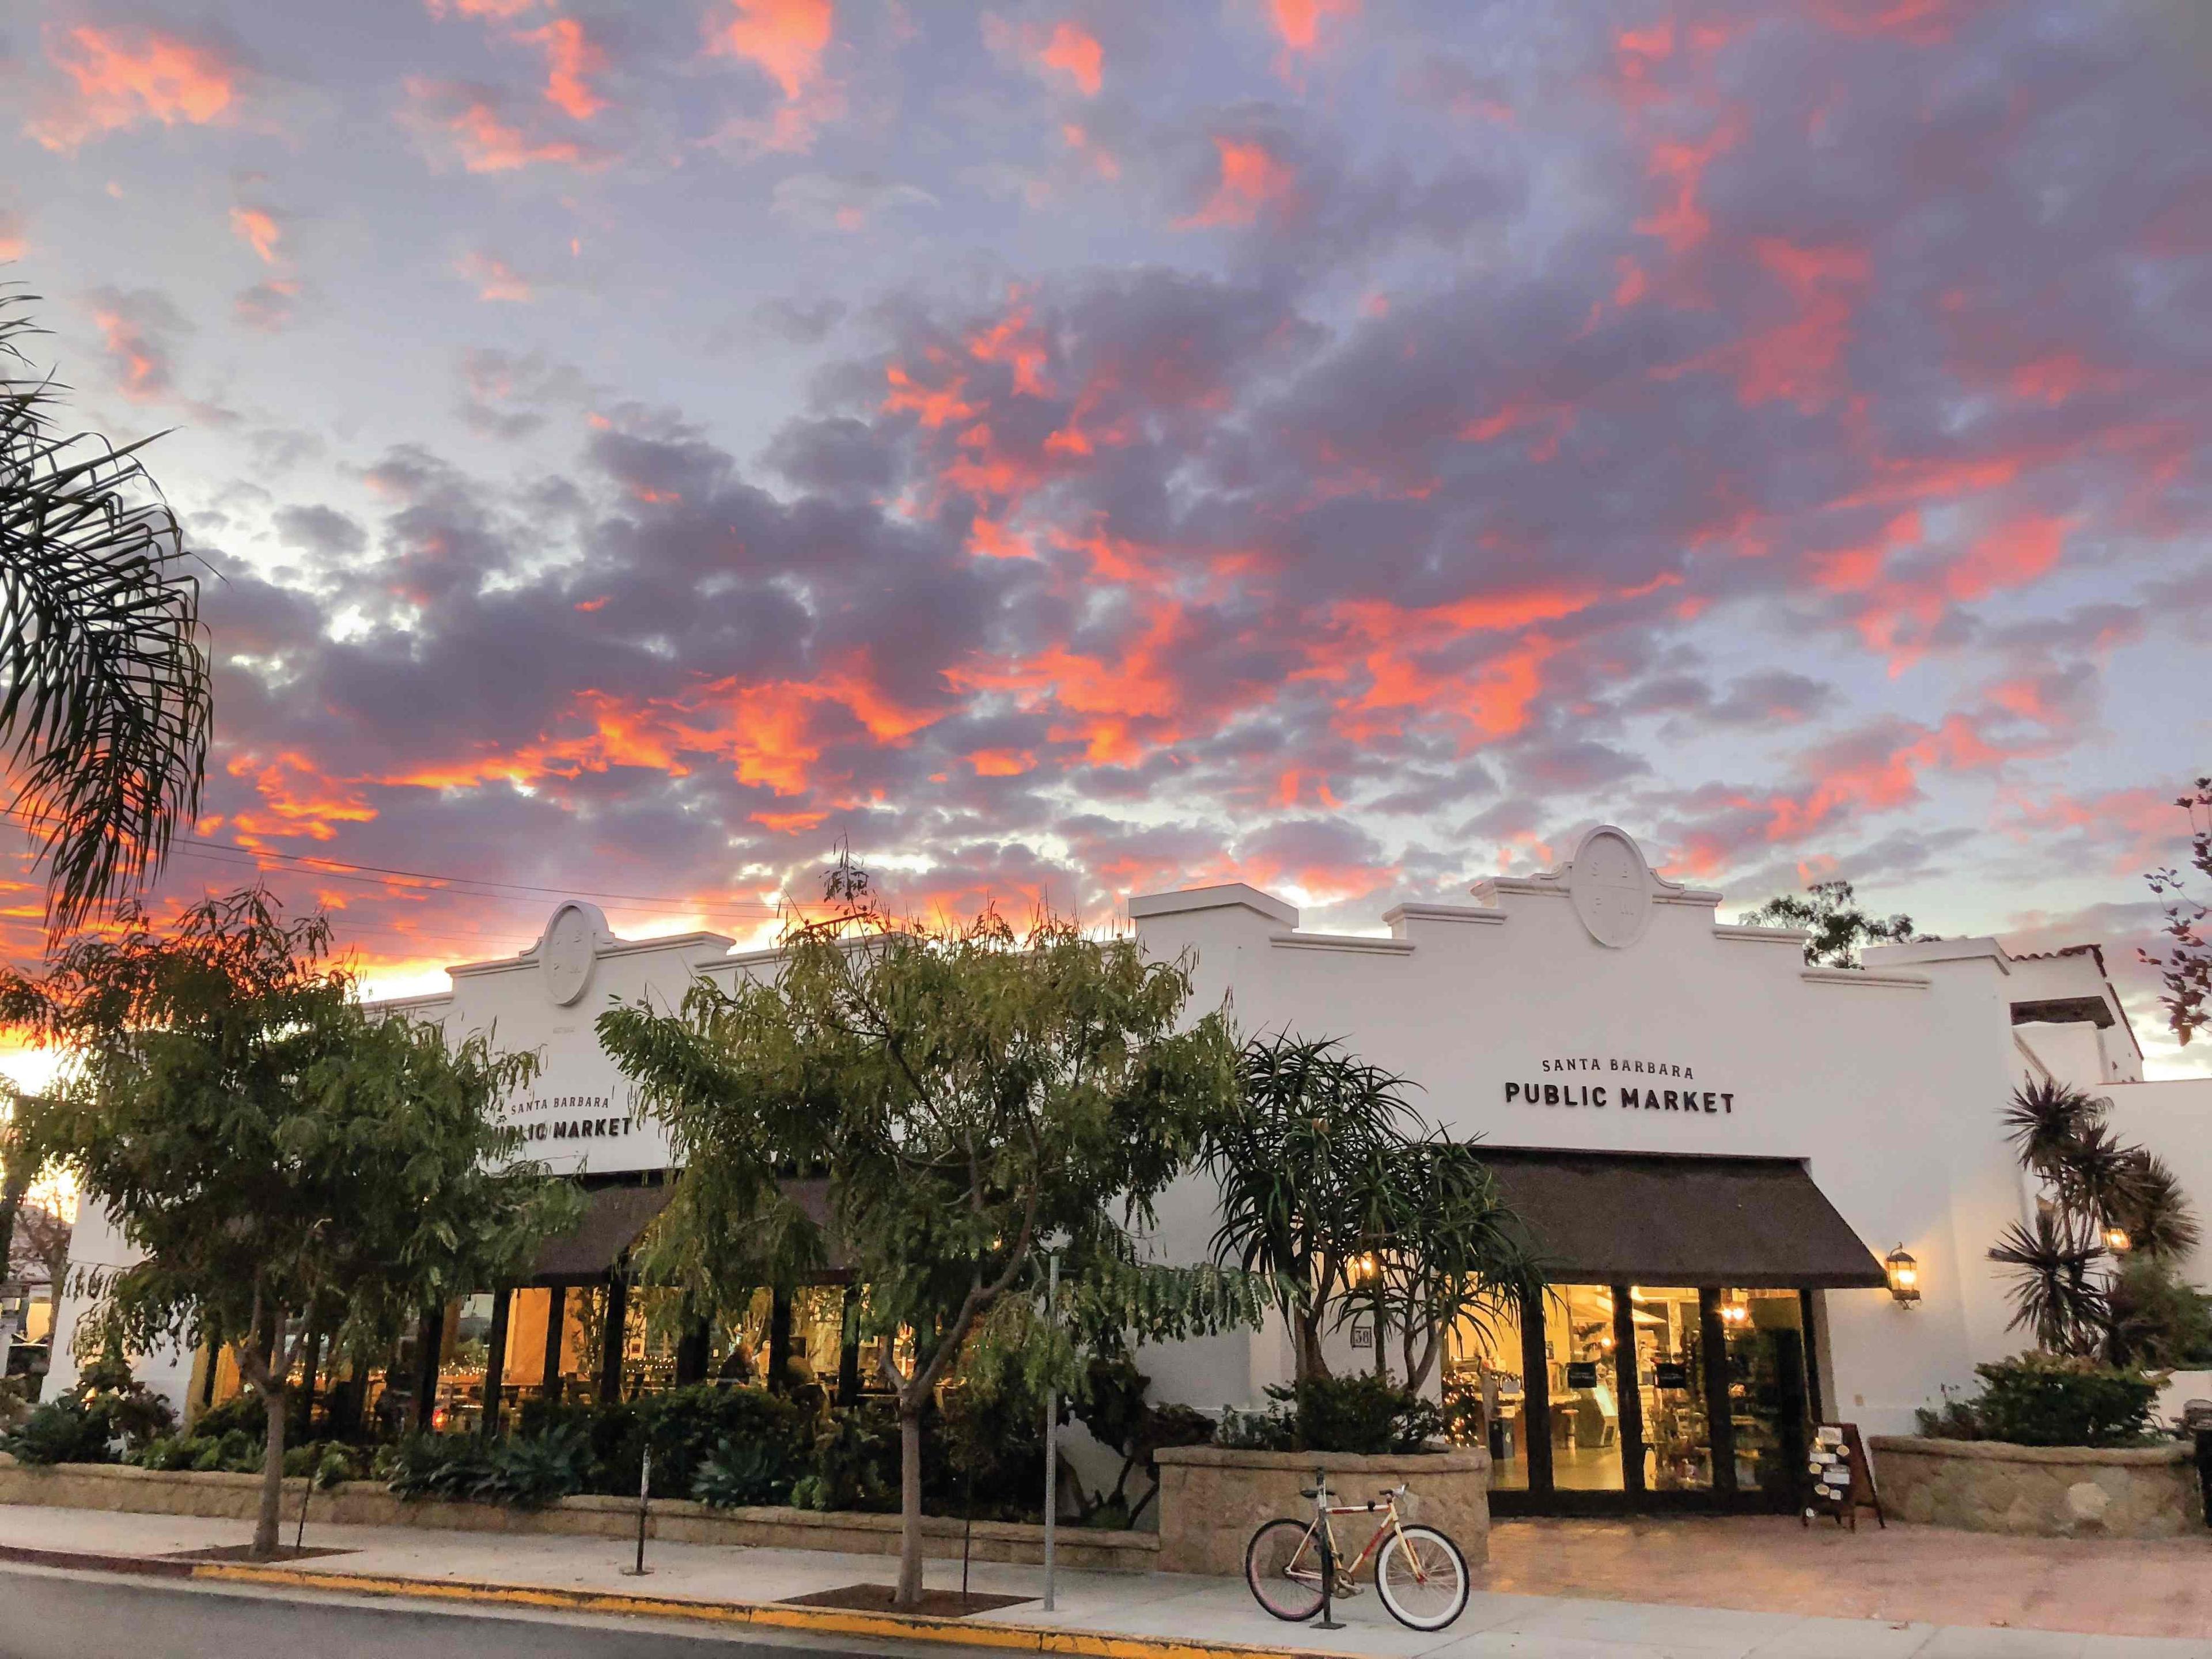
point(967, 1094)
point(1835, 927)
point(285, 1159)
point(2186, 967)
point(105, 701)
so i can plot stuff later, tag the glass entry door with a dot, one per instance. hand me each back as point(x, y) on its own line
point(1582, 1343)
point(1670, 1374)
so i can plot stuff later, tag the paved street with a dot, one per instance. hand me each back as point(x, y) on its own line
point(68, 1616)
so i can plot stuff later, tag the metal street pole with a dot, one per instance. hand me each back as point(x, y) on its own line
point(1051, 1432)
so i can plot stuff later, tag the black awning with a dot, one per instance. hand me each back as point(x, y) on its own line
point(613, 1218)
point(1658, 1219)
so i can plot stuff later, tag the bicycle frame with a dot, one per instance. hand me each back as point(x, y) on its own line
point(1322, 1523)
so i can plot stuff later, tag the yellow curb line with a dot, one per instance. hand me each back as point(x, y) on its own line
point(912, 1626)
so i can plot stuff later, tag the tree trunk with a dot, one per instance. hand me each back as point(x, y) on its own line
point(1306, 1334)
point(272, 1473)
point(909, 1599)
point(13, 1188)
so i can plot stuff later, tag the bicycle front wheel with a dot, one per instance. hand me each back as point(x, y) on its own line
point(1422, 1578)
point(1282, 1564)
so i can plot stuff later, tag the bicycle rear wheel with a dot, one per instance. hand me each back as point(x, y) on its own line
point(1282, 1564)
point(1422, 1578)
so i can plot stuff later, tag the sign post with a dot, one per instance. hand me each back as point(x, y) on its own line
point(644, 1497)
point(1051, 1434)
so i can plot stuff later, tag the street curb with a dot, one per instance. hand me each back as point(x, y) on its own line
point(91, 1561)
point(831, 1621)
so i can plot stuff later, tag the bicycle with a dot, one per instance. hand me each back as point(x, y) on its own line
point(1420, 1573)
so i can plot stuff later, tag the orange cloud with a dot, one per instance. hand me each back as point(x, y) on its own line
point(936, 405)
point(12, 240)
point(259, 231)
point(142, 366)
point(1102, 161)
point(571, 58)
point(493, 279)
point(1076, 54)
point(300, 799)
point(1013, 342)
point(1681, 221)
point(120, 77)
point(1800, 360)
point(1252, 180)
point(786, 40)
point(486, 140)
point(1001, 762)
point(1297, 23)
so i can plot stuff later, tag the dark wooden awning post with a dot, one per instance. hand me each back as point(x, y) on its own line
point(495, 1360)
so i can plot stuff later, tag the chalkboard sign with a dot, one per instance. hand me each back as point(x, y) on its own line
point(1670, 1374)
point(1582, 1373)
point(1839, 1481)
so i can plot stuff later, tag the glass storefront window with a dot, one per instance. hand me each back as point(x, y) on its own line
point(1585, 1390)
point(1670, 1374)
point(1769, 1403)
point(1487, 1396)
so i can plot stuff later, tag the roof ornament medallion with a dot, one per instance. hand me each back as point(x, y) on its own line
point(570, 950)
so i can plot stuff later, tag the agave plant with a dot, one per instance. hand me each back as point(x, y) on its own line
point(2054, 1296)
point(104, 687)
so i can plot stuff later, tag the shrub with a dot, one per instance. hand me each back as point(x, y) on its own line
point(737, 1475)
point(2049, 1399)
point(64, 1430)
point(529, 1473)
point(684, 1427)
point(855, 1462)
point(435, 1466)
point(1367, 1414)
point(2156, 1318)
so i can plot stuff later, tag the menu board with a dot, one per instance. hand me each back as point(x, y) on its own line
point(1839, 1481)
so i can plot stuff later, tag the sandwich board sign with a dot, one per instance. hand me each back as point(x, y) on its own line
point(1839, 1481)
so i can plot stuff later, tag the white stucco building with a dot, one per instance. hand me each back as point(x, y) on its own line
point(1716, 1144)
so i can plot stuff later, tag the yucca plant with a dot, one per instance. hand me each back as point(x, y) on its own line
point(2054, 1296)
point(105, 701)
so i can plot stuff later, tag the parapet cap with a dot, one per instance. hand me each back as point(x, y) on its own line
point(1229, 896)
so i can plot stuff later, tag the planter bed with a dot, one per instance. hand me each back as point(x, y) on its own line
point(1212, 1498)
point(367, 1503)
point(2051, 1492)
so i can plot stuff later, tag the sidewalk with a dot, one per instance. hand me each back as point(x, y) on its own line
point(1177, 1611)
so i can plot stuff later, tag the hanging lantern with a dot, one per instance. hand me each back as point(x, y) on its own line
point(1904, 1275)
point(2116, 1238)
point(1735, 1312)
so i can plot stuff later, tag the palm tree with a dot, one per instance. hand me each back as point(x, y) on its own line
point(104, 687)
point(2053, 1295)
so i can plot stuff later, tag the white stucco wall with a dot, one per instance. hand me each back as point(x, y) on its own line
point(1887, 1083)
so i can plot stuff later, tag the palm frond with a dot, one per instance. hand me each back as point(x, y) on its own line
point(2053, 1295)
point(2046, 1120)
point(105, 698)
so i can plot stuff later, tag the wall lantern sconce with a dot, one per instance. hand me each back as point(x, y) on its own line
point(1904, 1275)
point(2116, 1238)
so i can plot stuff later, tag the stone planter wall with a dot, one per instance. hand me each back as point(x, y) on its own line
point(1211, 1499)
point(367, 1503)
point(2053, 1491)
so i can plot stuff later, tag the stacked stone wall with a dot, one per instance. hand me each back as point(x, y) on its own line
point(2053, 1491)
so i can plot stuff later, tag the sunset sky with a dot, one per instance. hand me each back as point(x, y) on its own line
point(1101, 446)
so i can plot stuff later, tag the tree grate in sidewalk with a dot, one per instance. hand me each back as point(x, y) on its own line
point(935, 1603)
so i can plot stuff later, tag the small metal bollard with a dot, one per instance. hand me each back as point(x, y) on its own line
point(644, 1496)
